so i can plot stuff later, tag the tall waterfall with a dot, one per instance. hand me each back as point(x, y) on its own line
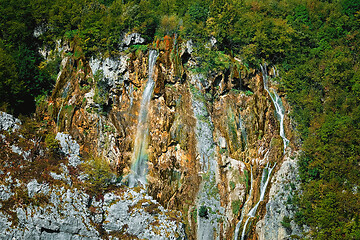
point(139, 160)
point(280, 111)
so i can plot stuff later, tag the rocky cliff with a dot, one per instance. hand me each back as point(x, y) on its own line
point(211, 141)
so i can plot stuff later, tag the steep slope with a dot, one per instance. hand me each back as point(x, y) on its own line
point(214, 140)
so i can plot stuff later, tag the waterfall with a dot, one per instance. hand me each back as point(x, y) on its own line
point(139, 159)
point(63, 95)
point(265, 177)
point(280, 111)
point(244, 229)
point(58, 115)
point(238, 225)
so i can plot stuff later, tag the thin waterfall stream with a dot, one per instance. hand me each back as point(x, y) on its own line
point(238, 225)
point(265, 178)
point(139, 166)
point(280, 111)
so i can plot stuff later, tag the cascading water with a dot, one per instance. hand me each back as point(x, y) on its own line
point(64, 95)
point(139, 166)
point(243, 130)
point(280, 111)
point(265, 177)
point(238, 225)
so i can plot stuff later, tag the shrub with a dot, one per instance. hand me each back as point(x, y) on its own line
point(203, 212)
point(51, 143)
point(286, 222)
point(235, 205)
point(99, 175)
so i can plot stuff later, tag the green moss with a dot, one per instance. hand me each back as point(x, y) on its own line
point(108, 128)
point(232, 185)
point(248, 93)
point(286, 222)
point(194, 214)
point(235, 206)
point(223, 150)
point(246, 174)
point(51, 143)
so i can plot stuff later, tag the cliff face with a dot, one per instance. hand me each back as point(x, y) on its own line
point(210, 144)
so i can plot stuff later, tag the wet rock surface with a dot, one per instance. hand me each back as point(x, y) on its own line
point(65, 210)
point(210, 137)
point(278, 220)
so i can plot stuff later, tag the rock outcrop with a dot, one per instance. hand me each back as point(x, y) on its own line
point(211, 135)
point(56, 205)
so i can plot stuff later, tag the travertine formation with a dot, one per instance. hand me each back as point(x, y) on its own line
point(208, 134)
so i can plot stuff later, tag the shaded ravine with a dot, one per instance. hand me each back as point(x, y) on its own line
point(139, 166)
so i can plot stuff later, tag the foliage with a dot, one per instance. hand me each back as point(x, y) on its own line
point(232, 185)
point(51, 143)
point(99, 175)
point(315, 45)
point(203, 212)
point(236, 206)
point(286, 222)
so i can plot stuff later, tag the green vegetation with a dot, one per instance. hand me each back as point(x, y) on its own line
point(99, 175)
point(236, 206)
point(203, 212)
point(286, 222)
point(314, 44)
point(52, 144)
point(194, 214)
point(232, 185)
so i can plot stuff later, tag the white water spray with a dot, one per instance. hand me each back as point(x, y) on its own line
point(280, 111)
point(265, 177)
point(139, 166)
point(238, 225)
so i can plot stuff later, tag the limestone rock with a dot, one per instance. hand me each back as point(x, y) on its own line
point(284, 185)
point(70, 148)
point(8, 122)
point(133, 38)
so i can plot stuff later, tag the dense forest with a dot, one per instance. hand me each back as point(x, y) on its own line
point(314, 43)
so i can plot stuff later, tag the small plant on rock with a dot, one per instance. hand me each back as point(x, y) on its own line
point(203, 212)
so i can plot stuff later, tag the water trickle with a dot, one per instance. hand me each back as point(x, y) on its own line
point(58, 115)
point(243, 130)
point(63, 95)
point(265, 177)
point(238, 225)
point(139, 166)
point(280, 111)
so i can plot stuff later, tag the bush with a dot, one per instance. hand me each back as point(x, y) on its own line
point(51, 143)
point(286, 222)
point(99, 175)
point(235, 205)
point(203, 212)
